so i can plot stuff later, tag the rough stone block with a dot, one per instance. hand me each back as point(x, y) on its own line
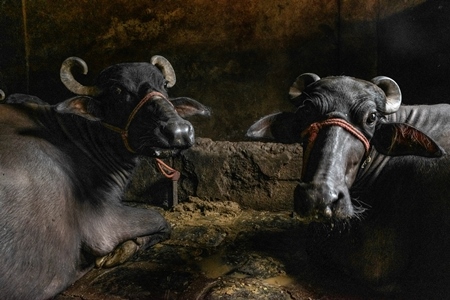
point(254, 174)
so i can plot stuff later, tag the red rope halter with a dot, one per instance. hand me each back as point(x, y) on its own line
point(124, 132)
point(313, 130)
point(167, 171)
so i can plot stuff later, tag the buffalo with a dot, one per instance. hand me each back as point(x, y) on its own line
point(64, 168)
point(375, 181)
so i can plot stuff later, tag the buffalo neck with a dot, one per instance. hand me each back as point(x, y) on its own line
point(434, 120)
point(92, 149)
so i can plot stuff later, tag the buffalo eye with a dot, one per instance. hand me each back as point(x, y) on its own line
point(371, 118)
point(117, 90)
point(120, 93)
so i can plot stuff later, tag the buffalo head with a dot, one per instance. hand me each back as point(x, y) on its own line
point(131, 100)
point(338, 120)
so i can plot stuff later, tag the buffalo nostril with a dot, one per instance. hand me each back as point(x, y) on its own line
point(179, 134)
point(334, 197)
point(325, 200)
point(332, 203)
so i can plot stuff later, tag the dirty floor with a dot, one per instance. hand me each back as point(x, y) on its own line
point(219, 251)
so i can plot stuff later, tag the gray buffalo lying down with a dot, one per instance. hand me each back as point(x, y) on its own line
point(375, 180)
point(64, 168)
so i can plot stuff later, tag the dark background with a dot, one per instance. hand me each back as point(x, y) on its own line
point(238, 57)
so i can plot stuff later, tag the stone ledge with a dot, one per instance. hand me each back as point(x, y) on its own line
point(256, 175)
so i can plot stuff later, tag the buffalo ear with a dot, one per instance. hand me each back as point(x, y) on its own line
point(187, 107)
point(278, 126)
point(395, 139)
point(300, 85)
point(77, 106)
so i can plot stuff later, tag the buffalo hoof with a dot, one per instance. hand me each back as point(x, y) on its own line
point(121, 254)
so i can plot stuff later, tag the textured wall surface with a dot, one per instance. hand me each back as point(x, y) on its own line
point(238, 57)
point(255, 175)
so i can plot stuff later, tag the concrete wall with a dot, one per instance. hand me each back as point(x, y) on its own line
point(238, 57)
point(255, 175)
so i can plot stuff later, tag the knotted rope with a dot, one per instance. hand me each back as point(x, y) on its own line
point(167, 170)
point(172, 174)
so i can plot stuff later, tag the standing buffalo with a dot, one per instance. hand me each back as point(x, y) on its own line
point(375, 180)
point(63, 170)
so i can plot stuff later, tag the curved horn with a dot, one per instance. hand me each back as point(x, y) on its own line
point(166, 68)
point(70, 82)
point(301, 83)
point(392, 92)
point(2, 95)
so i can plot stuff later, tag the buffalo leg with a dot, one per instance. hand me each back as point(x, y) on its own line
point(129, 230)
